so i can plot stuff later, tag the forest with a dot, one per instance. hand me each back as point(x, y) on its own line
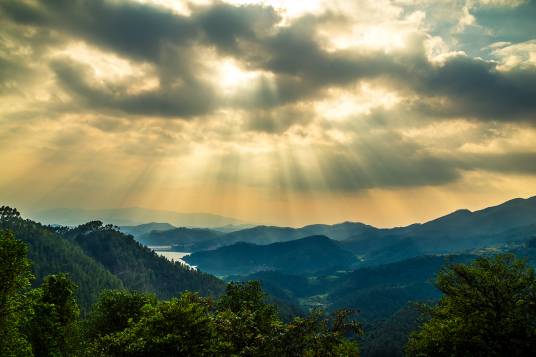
point(487, 306)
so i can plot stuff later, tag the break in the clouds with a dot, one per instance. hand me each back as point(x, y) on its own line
point(183, 105)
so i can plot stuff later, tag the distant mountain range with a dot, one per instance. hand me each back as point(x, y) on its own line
point(460, 231)
point(131, 216)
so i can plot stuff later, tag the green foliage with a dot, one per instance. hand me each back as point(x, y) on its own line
point(41, 321)
point(240, 323)
point(388, 337)
point(488, 309)
point(114, 310)
point(138, 267)
point(178, 327)
point(53, 330)
point(15, 279)
point(245, 323)
point(98, 257)
point(321, 335)
point(52, 254)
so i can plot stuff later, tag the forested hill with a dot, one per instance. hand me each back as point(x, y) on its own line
point(99, 257)
point(298, 256)
point(138, 267)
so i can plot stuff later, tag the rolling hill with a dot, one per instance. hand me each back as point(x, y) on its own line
point(183, 239)
point(298, 256)
point(145, 228)
point(98, 257)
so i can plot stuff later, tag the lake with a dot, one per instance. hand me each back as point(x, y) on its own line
point(173, 256)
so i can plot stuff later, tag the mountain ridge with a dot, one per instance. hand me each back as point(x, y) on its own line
point(298, 256)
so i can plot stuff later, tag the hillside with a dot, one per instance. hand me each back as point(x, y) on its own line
point(462, 230)
point(298, 256)
point(98, 257)
point(138, 267)
point(51, 254)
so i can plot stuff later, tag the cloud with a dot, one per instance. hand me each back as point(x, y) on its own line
point(475, 88)
point(188, 99)
point(263, 99)
point(302, 68)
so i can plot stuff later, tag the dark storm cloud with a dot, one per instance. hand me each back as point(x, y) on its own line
point(141, 31)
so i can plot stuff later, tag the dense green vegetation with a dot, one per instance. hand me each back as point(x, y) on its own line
point(45, 321)
point(52, 254)
point(298, 256)
point(138, 267)
point(385, 295)
point(120, 298)
point(99, 257)
point(488, 309)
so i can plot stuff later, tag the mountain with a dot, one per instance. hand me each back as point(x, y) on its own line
point(298, 256)
point(458, 231)
point(229, 228)
point(273, 234)
point(377, 292)
point(462, 230)
point(145, 228)
point(99, 257)
point(194, 240)
point(138, 267)
point(130, 216)
point(183, 239)
point(51, 253)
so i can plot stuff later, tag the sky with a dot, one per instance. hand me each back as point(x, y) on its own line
point(279, 112)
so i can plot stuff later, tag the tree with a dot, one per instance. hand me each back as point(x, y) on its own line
point(488, 309)
point(114, 310)
point(178, 327)
point(321, 335)
point(245, 323)
point(15, 280)
point(9, 214)
point(53, 330)
point(248, 326)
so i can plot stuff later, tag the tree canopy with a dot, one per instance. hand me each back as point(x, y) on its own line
point(488, 309)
